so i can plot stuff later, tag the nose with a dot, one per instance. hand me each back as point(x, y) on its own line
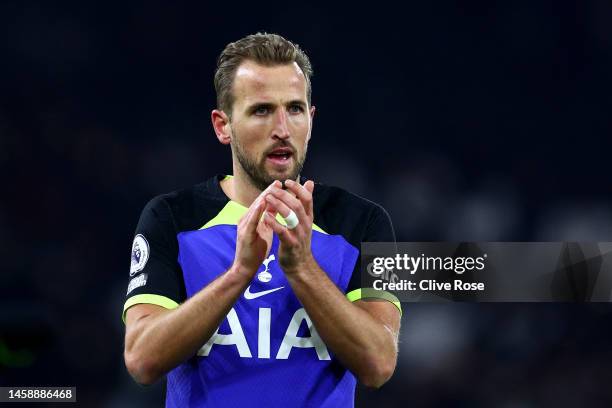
point(281, 125)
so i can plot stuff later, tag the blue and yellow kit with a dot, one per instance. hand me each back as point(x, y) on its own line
point(266, 352)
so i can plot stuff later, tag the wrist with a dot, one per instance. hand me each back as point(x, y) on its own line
point(240, 273)
point(302, 266)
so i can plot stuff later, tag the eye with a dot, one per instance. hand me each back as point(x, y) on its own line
point(261, 110)
point(296, 108)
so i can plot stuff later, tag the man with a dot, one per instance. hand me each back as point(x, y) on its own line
point(244, 290)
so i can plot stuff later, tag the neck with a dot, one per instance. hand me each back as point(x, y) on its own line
point(239, 188)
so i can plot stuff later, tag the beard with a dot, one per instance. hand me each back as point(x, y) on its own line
point(256, 170)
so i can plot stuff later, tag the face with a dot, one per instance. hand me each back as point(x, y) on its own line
point(271, 122)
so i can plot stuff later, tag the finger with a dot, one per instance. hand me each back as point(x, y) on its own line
point(248, 216)
point(303, 193)
point(309, 185)
point(290, 201)
point(255, 215)
point(275, 185)
point(278, 206)
point(270, 210)
point(264, 229)
point(290, 218)
point(283, 233)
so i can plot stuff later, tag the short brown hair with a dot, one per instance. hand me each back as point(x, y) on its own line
point(262, 48)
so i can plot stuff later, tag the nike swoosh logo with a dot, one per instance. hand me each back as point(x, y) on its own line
point(250, 295)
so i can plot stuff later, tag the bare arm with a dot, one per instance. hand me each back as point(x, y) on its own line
point(363, 335)
point(158, 339)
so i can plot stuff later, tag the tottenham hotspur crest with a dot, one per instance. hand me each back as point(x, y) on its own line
point(265, 276)
point(140, 254)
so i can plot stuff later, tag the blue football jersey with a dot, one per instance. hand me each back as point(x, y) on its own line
point(266, 352)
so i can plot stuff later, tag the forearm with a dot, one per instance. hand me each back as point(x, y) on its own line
point(157, 343)
point(364, 344)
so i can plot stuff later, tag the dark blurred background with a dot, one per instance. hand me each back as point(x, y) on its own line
point(480, 120)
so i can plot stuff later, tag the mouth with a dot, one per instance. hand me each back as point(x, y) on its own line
point(280, 155)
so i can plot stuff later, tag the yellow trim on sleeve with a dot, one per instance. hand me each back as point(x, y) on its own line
point(371, 293)
point(148, 299)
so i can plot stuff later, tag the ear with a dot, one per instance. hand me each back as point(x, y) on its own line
point(312, 113)
point(221, 124)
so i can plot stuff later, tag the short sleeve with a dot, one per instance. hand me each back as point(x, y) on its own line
point(379, 229)
point(155, 276)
